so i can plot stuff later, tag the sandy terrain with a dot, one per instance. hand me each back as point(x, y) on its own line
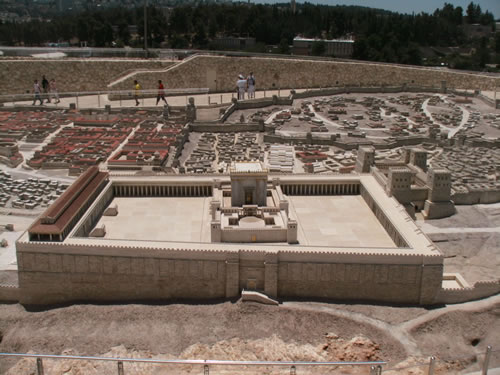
point(299, 331)
point(469, 240)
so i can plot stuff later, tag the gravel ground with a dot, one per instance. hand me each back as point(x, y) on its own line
point(298, 331)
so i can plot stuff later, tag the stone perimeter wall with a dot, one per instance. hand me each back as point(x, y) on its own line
point(53, 273)
point(220, 74)
point(17, 76)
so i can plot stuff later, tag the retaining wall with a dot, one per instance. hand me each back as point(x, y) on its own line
point(220, 73)
point(63, 273)
point(17, 76)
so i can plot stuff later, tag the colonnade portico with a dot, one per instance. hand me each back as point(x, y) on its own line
point(162, 190)
point(321, 189)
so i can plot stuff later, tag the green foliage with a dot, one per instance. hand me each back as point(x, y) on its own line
point(497, 42)
point(379, 35)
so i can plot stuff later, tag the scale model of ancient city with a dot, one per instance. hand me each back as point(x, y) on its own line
point(330, 184)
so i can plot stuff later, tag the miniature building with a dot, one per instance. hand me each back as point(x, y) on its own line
point(438, 204)
point(248, 184)
point(258, 213)
point(365, 159)
point(418, 158)
point(399, 186)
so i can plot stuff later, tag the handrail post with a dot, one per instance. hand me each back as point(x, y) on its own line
point(120, 368)
point(486, 362)
point(77, 106)
point(39, 366)
point(432, 364)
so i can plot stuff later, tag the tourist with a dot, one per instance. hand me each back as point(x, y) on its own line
point(53, 90)
point(137, 89)
point(46, 88)
point(251, 86)
point(241, 85)
point(36, 91)
point(161, 93)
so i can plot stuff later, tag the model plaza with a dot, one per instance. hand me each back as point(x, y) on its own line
point(333, 220)
point(132, 237)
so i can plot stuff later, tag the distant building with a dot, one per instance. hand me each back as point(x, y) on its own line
point(333, 47)
point(231, 42)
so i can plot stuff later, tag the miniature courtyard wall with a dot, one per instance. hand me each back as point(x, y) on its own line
point(53, 273)
point(9, 293)
point(480, 289)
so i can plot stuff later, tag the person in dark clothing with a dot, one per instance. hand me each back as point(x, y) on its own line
point(46, 88)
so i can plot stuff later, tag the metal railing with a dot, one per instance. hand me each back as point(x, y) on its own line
point(118, 94)
point(95, 98)
point(375, 367)
point(204, 364)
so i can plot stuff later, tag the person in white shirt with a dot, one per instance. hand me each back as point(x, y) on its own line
point(241, 85)
point(36, 91)
point(53, 90)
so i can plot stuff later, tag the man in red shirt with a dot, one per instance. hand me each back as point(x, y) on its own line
point(161, 93)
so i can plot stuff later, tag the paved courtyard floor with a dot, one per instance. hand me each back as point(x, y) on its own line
point(159, 219)
point(338, 221)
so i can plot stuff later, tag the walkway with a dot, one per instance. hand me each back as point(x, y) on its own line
point(100, 101)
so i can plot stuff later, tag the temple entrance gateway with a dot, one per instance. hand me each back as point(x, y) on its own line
point(249, 196)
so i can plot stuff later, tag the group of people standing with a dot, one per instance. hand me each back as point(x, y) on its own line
point(49, 90)
point(160, 96)
point(245, 85)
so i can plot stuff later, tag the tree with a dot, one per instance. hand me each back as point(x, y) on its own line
point(473, 13)
point(284, 47)
point(200, 36)
point(483, 53)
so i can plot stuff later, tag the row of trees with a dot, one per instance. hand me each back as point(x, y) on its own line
point(380, 35)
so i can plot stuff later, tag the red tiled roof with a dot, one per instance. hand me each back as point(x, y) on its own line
point(77, 195)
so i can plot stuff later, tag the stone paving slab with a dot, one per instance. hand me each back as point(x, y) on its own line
point(338, 221)
point(159, 219)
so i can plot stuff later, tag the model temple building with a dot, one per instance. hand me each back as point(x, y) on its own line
point(250, 211)
point(159, 237)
